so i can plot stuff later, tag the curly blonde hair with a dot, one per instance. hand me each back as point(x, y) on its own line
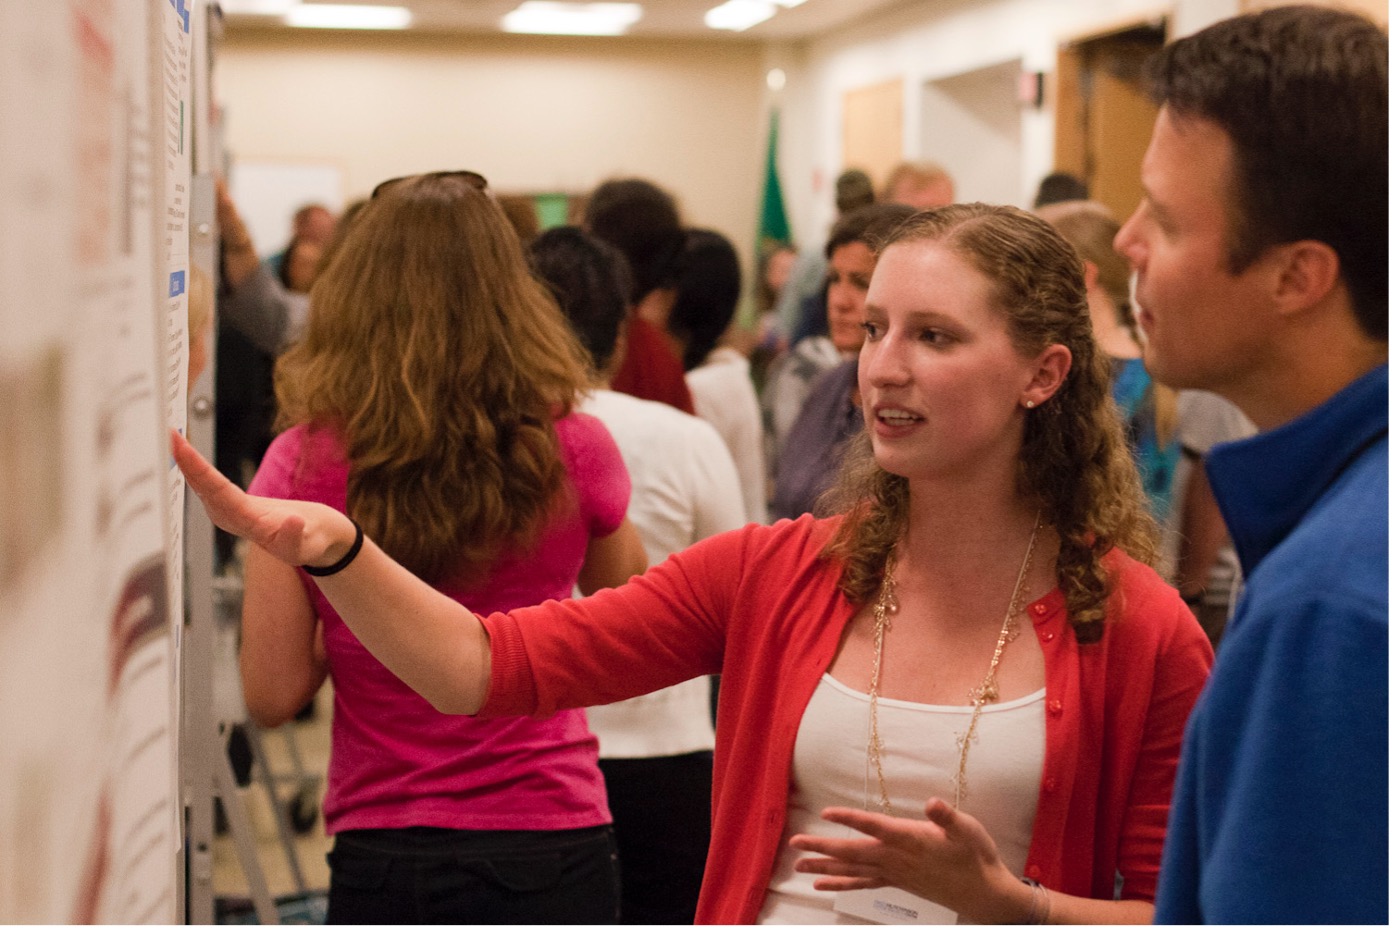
point(1075, 463)
point(442, 364)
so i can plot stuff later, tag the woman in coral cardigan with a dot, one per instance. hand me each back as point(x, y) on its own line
point(963, 695)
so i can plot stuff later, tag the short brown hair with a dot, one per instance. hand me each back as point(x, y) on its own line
point(1302, 92)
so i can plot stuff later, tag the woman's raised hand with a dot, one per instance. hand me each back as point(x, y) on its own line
point(291, 531)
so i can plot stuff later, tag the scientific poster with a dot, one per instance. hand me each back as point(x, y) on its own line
point(88, 795)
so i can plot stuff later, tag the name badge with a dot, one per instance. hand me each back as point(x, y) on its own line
point(891, 905)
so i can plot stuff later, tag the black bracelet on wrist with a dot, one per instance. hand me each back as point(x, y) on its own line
point(342, 562)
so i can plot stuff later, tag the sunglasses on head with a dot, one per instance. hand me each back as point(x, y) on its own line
point(474, 179)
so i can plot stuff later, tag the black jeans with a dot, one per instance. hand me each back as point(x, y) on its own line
point(662, 809)
point(429, 875)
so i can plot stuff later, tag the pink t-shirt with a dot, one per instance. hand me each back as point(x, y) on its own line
point(394, 760)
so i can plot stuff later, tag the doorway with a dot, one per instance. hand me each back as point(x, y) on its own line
point(1104, 117)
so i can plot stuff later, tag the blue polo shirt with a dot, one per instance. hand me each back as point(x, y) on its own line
point(1281, 808)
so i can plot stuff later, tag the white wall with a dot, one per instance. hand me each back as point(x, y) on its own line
point(972, 124)
point(934, 39)
point(551, 113)
point(529, 113)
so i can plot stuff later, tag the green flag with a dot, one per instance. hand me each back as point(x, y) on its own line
point(774, 223)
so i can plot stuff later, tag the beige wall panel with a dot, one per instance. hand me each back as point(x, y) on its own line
point(1378, 10)
point(531, 114)
point(872, 128)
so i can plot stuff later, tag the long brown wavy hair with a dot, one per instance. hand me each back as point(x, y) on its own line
point(442, 364)
point(1075, 463)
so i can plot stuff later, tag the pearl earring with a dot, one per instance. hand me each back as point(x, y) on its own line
point(1031, 404)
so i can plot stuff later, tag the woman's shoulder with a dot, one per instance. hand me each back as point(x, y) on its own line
point(1144, 607)
point(584, 439)
point(780, 547)
point(301, 456)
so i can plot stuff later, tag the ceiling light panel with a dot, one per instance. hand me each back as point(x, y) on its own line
point(739, 15)
point(257, 7)
point(347, 16)
point(543, 17)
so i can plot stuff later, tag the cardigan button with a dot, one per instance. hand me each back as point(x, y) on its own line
point(1039, 608)
point(1054, 707)
point(1050, 785)
point(1034, 872)
point(1049, 636)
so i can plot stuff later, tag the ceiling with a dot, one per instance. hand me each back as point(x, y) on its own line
point(661, 19)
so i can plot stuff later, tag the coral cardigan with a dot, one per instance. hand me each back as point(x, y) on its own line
point(759, 606)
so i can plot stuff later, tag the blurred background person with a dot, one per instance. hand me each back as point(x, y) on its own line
point(921, 184)
point(850, 256)
point(1148, 408)
point(656, 749)
point(640, 219)
point(719, 376)
point(801, 305)
point(312, 223)
point(1060, 186)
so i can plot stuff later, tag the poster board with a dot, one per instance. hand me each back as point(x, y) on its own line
point(93, 260)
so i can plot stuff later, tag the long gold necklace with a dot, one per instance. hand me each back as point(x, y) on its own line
point(985, 692)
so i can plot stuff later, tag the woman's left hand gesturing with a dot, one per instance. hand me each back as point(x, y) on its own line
point(949, 859)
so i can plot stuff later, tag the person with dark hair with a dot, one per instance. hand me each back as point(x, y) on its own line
point(802, 302)
point(851, 254)
point(709, 287)
point(1060, 186)
point(1262, 252)
point(313, 223)
point(641, 220)
point(431, 400)
point(656, 749)
point(970, 665)
point(853, 189)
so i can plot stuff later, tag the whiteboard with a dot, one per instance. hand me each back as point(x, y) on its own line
point(269, 193)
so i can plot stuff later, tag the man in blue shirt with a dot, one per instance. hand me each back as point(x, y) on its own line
point(1261, 247)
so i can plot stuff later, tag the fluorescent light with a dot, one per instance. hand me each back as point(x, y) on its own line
point(257, 7)
point(739, 15)
point(346, 16)
point(788, 4)
point(545, 17)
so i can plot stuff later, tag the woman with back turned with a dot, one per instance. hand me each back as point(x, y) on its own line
point(430, 400)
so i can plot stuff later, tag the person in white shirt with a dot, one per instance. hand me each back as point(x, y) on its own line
point(656, 749)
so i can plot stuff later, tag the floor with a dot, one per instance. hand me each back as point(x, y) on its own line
point(311, 740)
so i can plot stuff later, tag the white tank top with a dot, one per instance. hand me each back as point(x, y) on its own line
point(919, 759)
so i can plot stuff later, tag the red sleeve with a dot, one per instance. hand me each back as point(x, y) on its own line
point(1181, 665)
point(662, 628)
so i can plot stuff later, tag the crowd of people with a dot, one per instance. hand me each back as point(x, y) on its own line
point(946, 568)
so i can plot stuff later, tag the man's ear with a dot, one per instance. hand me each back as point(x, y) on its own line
point(1053, 365)
point(1092, 274)
point(1306, 273)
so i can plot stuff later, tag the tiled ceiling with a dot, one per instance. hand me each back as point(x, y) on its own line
point(661, 19)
